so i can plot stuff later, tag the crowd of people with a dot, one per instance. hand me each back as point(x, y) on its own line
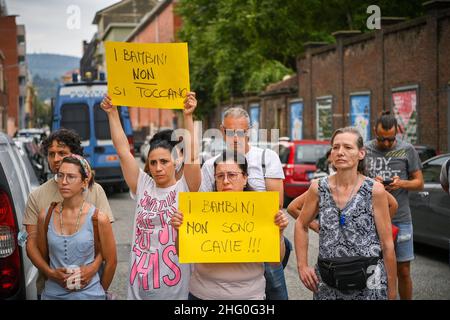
point(354, 210)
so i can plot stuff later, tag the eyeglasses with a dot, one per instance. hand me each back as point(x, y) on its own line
point(383, 139)
point(240, 133)
point(70, 178)
point(231, 176)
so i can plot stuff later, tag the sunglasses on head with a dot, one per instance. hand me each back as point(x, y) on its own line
point(239, 133)
point(383, 139)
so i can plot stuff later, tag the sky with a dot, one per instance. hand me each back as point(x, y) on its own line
point(57, 26)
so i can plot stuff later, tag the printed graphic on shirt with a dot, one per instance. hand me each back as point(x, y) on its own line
point(155, 264)
point(387, 167)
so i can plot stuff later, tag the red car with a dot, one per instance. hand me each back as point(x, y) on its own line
point(299, 158)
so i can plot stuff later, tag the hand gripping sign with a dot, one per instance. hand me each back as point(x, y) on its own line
point(229, 227)
point(149, 75)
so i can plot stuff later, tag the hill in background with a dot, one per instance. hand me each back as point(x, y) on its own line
point(47, 70)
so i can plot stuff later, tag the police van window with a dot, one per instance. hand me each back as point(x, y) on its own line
point(101, 123)
point(75, 116)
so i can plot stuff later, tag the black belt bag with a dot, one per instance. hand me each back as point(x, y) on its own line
point(346, 273)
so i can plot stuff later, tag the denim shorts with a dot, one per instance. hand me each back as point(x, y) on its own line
point(404, 247)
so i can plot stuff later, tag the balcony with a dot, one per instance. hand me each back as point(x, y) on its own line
point(22, 70)
point(23, 90)
point(21, 51)
point(21, 33)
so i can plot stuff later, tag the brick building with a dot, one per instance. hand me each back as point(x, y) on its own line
point(12, 44)
point(114, 23)
point(3, 96)
point(267, 110)
point(403, 67)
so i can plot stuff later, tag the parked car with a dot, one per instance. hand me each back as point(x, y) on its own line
point(28, 147)
point(17, 180)
point(36, 133)
point(425, 152)
point(299, 158)
point(430, 207)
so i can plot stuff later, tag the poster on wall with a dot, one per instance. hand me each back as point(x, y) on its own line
point(360, 114)
point(405, 110)
point(324, 119)
point(254, 121)
point(296, 113)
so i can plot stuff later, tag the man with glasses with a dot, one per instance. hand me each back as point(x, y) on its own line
point(265, 173)
point(58, 145)
point(396, 164)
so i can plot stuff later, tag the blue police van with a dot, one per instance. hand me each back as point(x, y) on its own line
point(77, 107)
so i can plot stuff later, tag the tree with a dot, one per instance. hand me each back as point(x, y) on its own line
point(240, 46)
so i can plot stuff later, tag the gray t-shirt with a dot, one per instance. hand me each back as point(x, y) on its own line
point(400, 161)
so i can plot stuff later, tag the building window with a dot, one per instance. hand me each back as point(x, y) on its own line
point(254, 121)
point(360, 113)
point(296, 120)
point(324, 118)
point(404, 106)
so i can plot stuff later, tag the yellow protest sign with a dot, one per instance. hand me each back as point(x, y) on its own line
point(229, 227)
point(150, 75)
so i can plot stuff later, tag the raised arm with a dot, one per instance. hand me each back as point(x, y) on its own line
point(128, 164)
point(192, 170)
point(306, 273)
point(384, 229)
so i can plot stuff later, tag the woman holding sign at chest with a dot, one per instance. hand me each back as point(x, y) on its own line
point(213, 281)
point(155, 272)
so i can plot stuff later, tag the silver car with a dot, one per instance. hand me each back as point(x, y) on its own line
point(17, 180)
point(430, 207)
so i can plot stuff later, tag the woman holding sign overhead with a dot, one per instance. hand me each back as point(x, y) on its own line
point(230, 280)
point(155, 272)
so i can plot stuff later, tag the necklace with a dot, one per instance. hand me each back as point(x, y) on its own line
point(61, 224)
point(342, 216)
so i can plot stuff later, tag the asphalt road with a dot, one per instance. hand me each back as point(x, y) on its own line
point(430, 270)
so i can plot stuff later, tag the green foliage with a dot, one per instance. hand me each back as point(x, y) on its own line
point(241, 46)
point(42, 114)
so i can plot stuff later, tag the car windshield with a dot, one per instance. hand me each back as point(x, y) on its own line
point(310, 153)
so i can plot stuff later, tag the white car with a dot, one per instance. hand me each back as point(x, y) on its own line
point(17, 180)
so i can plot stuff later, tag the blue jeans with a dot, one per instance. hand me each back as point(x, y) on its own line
point(275, 282)
point(404, 247)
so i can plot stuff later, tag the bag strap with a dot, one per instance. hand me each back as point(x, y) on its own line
point(47, 222)
point(96, 235)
